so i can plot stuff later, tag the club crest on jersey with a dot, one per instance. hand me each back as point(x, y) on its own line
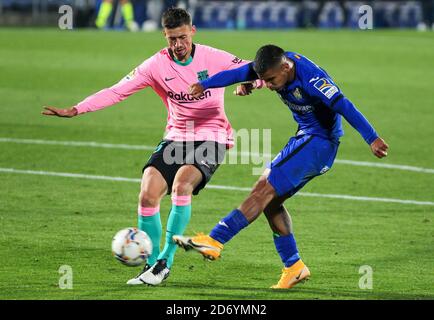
point(326, 87)
point(202, 75)
point(297, 94)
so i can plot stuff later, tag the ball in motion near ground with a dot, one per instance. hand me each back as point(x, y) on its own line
point(131, 246)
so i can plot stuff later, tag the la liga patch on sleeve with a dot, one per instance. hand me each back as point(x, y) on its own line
point(326, 87)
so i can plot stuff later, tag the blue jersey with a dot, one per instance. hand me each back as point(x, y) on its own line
point(311, 97)
point(315, 101)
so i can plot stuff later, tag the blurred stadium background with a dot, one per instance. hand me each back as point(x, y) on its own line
point(229, 14)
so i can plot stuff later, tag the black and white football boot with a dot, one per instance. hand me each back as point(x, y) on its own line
point(154, 275)
point(135, 279)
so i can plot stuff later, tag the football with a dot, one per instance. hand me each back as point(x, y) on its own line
point(131, 247)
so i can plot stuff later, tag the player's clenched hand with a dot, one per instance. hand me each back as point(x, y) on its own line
point(244, 89)
point(379, 148)
point(196, 90)
point(67, 113)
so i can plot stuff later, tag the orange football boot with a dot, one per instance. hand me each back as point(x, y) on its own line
point(204, 244)
point(292, 275)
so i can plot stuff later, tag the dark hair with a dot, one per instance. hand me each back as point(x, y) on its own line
point(175, 17)
point(267, 57)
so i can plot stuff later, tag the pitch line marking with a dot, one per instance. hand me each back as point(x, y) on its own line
point(219, 187)
point(93, 144)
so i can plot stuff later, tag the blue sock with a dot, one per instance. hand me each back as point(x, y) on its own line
point(287, 249)
point(229, 226)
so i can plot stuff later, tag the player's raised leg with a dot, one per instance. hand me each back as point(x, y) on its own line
point(210, 246)
point(280, 222)
point(186, 180)
point(152, 190)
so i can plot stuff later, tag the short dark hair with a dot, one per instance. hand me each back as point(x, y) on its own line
point(175, 17)
point(267, 57)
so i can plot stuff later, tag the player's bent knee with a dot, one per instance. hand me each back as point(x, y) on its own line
point(182, 188)
point(260, 182)
point(263, 188)
point(148, 199)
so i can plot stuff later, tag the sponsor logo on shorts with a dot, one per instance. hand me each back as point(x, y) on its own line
point(159, 147)
point(324, 170)
point(326, 87)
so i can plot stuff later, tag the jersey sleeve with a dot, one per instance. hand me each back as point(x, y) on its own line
point(322, 87)
point(233, 62)
point(228, 77)
point(355, 118)
point(139, 78)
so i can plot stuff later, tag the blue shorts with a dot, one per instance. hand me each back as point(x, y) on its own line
point(303, 158)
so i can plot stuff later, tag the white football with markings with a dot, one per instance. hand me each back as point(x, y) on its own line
point(131, 247)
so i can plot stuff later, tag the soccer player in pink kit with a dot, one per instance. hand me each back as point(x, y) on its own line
point(197, 132)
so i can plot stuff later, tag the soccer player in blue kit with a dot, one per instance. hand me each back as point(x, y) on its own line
point(317, 105)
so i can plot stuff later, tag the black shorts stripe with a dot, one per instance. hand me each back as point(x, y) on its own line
point(294, 152)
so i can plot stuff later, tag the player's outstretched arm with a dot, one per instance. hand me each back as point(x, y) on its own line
point(224, 79)
point(243, 89)
point(136, 80)
point(64, 113)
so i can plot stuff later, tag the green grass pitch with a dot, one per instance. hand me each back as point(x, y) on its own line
point(47, 221)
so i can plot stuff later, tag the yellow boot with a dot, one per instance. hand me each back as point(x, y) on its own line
point(204, 244)
point(291, 276)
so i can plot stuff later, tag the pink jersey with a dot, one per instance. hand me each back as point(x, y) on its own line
point(189, 118)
